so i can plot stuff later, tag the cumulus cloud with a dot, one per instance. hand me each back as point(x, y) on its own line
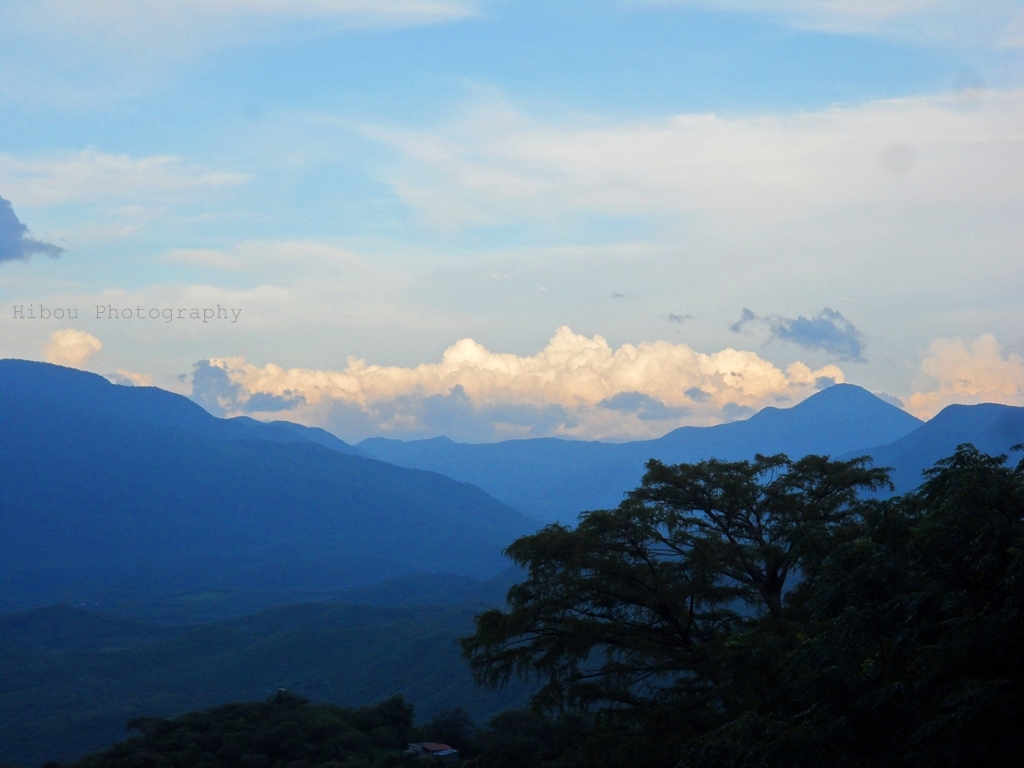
point(574, 387)
point(264, 402)
point(828, 331)
point(15, 242)
point(644, 407)
point(979, 371)
point(213, 389)
point(71, 348)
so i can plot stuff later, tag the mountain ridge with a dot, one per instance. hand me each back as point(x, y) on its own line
point(990, 427)
point(555, 479)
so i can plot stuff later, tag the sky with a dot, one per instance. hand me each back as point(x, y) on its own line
point(492, 219)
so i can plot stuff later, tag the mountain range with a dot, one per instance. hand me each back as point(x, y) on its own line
point(554, 479)
point(135, 491)
point(180, 530)
point(109, 487)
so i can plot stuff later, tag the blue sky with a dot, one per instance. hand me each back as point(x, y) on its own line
point(413, 202)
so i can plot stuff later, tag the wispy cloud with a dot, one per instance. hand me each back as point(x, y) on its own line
point(90, 176)
point(828, 331)
point(125, 40)
point(575, 387)
point(989, 22)
point(142, 23)
point(496, 165)
point(15, 242)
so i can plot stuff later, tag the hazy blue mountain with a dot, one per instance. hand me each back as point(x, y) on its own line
point(555, 479)
point(991, 428)
point(27, 384)
point(72, 679)
point(115, 488)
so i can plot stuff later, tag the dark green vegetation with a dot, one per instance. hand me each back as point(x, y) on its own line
point(71, 679)
point(555, 479)
point(285, 730)
point(763, 614)
point(139, 492)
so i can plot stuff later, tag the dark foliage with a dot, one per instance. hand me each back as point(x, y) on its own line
point(70, 679)
point(915, 646)
point(286, 730)
point(764, 614)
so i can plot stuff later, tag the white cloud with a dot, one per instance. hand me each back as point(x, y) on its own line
point(71, 348)
point(497, 165)
point(976, 372)
point(565, 389)
point(948, 21)
point(90, 176)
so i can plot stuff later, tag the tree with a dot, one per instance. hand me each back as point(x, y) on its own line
point(635, 615)
point(284, 730)
point(914, 653)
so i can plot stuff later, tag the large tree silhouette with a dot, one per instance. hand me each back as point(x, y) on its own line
point(775, 612)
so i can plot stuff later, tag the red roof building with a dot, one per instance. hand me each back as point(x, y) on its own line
point(432, 749)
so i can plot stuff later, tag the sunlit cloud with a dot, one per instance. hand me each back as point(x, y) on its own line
point(979, 371)
point(71, 347)
point(575, 387)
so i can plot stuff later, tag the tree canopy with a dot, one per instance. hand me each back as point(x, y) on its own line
point(776, 612)
point(285, 730)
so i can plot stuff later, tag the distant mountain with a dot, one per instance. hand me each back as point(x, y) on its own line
point(991, 428)
point(72, 678)
point(139, 490)
point(555, 479)
point(25, 384)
